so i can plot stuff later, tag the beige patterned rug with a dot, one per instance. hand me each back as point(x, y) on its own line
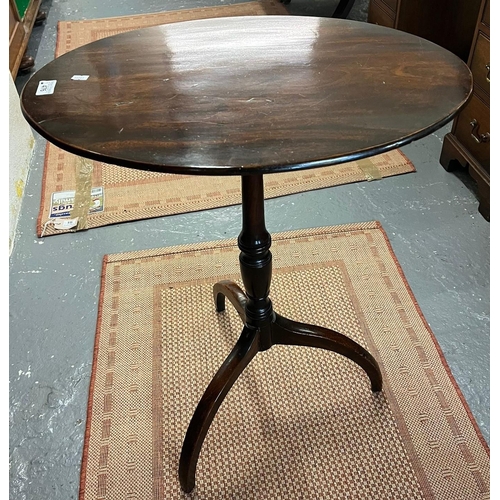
point(300, 423)
point(116, 195)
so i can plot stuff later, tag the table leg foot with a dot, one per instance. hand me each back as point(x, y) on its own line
point(241, 355)
point(343, 9)
point(288, 332)
point(234, 294)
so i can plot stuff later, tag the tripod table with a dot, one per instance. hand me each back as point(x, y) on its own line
point(247, 96)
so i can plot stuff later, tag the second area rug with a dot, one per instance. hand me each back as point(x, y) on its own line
point(117, 195)
point(300, 423)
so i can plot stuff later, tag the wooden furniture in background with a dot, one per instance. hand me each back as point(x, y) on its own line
point(22, 17)
point(462, 27)
point(449, 23)
point(468, 143)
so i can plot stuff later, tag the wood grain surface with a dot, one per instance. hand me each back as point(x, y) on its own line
point(247, 94)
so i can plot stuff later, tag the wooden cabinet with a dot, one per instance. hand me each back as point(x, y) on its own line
point(448, 23)
point(468, 143)
point(462, 27)
point(21, 21)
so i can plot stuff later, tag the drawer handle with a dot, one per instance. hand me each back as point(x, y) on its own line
point(475, 135)
point(488, 74)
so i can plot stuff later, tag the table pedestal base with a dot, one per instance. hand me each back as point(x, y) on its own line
point(263, 327)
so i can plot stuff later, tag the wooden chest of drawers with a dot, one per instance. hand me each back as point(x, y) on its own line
point(468, 143)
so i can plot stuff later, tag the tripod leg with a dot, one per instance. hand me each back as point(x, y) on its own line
point(243, 352)
point(234, 293)
point(290, 332)
point(343, 9)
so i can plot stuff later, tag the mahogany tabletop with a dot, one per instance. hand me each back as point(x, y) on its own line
point(240, 95)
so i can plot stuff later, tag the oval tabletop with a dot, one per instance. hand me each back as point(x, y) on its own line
point(245, 94)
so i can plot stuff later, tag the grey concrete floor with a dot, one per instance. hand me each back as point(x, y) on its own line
point(431, 218)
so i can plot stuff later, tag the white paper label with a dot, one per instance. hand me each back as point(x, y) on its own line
point(80, 77)
point(62, 203)
point(46, 87)
point(66, 223)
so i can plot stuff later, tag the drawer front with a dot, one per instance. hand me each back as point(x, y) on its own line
point(392, 4)
point(377, 14)
point(486, 14)
point(480, 63)
point(473, 129)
